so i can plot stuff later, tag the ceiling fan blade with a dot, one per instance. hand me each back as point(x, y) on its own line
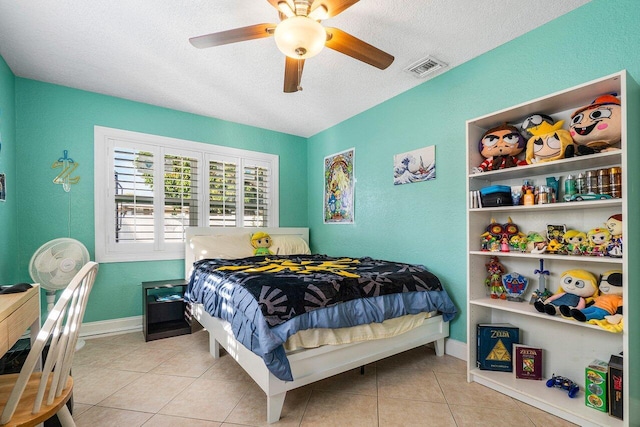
point(233, 36)
point(292, 75)
point(334, 7)
point(354, 47)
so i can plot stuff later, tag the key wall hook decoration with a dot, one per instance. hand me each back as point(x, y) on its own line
point(68, 165)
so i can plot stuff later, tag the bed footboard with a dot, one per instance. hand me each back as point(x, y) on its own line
point(311, 365)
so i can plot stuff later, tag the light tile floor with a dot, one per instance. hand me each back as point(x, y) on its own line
point(123, 381)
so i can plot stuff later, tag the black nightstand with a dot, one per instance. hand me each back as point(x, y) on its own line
point(165, 313)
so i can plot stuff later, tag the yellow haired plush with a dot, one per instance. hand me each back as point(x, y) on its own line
point(261, 241)
point(549, 142)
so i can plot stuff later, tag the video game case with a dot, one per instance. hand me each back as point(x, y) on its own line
point(528, 362)
point(495, 346)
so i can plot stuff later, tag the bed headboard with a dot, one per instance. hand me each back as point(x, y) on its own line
point(221, 240)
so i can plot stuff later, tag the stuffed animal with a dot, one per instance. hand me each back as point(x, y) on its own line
point(494, 279)
point(577, 288)
point(597, 241)
point(537, 243)
point(614, 226)
point(575, 242)
point(532, 122)
point(500, 147)
point(261, 241)
point(607, 305)
point(598, 126)
point(549, 142)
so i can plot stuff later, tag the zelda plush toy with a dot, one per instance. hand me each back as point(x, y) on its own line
point(577, 288)
point(597, 126)
point(261, 241)
point(549, 142)
point(499, 146)
point(607, 305)
point(614, 225)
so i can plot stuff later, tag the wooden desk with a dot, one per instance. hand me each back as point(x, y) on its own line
point(18, 312)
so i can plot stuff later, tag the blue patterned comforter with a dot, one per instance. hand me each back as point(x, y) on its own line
point(268, 299)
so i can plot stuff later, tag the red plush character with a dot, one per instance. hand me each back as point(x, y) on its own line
point(500, 147)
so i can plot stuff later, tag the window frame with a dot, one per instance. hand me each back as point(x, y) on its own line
point(107, 139)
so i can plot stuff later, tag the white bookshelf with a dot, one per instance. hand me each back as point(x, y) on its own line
point(569, 346)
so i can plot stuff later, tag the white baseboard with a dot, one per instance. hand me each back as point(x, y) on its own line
point(111, 327)
point(456, 349)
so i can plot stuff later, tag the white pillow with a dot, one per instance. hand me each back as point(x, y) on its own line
point(222, 246)
point(289, 245)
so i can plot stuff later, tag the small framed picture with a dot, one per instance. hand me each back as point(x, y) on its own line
point(556, 232)
point(3, 188)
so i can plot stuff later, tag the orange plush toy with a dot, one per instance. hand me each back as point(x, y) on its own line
point(598, 126)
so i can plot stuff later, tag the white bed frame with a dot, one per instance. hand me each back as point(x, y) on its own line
point(308, 365)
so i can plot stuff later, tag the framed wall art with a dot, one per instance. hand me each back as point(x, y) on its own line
point(3, 188)
point(415, 166)
point(339, 185)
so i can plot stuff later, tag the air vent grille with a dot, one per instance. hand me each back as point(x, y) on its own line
point(425, 66)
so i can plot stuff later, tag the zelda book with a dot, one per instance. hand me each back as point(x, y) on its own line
point(495, 346)
point(528, 362)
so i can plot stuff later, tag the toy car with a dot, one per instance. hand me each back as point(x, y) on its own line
point(586, 196)
point(564, 383)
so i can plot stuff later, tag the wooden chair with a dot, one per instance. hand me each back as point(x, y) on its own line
point(32, 397)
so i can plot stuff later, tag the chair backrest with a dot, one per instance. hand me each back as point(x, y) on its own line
point(61, 331)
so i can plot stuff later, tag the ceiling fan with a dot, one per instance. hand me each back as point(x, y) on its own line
point(300, 36)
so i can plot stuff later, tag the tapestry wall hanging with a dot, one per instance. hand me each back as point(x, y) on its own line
point(415, 166)
point(339, 180)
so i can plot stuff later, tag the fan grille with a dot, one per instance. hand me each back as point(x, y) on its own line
point(56, 262)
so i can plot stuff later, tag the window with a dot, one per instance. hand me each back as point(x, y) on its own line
point(149, 189)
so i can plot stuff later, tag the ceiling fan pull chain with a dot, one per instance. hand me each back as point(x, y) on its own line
point(299, 87)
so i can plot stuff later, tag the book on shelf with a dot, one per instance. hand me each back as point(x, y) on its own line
point(495, 346)
point(528, 362)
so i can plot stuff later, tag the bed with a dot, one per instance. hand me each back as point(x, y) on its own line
point(211, 252)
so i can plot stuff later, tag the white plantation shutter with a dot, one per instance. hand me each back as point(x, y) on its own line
point(133, 174)
point(151, 188)
point(256, 179)
point(223, 200)
point(180, 177)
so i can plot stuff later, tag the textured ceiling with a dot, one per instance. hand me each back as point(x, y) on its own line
point(139, 50)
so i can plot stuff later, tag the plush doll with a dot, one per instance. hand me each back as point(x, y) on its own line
point(549, 142)
point(261, 241)
point(614, 226)
point(494, 279)
point(575, 242)
point(597, 241)
point(500, 147)
point(577, 288)
point(532, 122)
point(607, 305)
point(597, 126)
point(537, 243)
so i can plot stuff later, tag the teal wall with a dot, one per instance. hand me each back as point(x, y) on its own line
point(53, 118)
point(8, 213)
point(425, 222)
point(422, 223)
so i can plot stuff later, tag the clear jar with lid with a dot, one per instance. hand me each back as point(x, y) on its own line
point(603, 181)
point(615, 182)
point(591, 181)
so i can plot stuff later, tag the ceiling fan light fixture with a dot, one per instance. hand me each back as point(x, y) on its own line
point(285, 8)
point(300, 37)
point(319, 13)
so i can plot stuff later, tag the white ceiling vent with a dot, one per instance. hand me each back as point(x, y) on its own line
point(425, 66)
